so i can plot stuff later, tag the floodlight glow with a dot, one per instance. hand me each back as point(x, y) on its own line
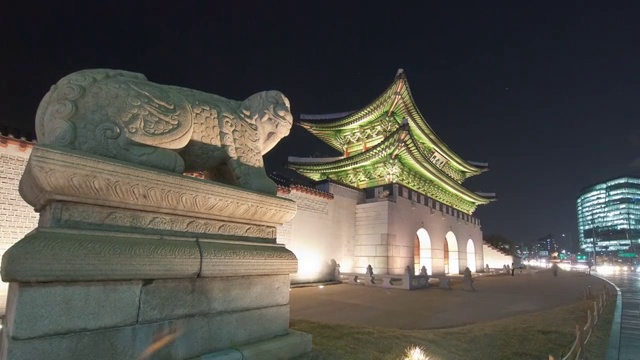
point(309, 263)
point(606, 269)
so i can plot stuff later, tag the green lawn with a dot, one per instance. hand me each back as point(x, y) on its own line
point(531, 336)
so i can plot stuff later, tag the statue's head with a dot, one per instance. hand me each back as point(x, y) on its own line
point(270, 112)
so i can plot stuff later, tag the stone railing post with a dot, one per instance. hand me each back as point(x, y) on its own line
point(336, 273)
point(369, 278)
point(407, 279)
point(409, 273)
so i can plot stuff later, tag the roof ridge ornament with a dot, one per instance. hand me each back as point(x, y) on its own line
point(400, 71)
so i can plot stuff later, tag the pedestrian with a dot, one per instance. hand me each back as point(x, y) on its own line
point(554, 269)
point(589, 265)
point(513, 269)
point(468, 280)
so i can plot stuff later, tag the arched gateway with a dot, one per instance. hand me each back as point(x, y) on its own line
point(471, 255)
point(406, 175)
point(422, 251)
point(451, 260)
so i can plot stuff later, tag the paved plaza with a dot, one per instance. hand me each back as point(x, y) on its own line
point(496, 297)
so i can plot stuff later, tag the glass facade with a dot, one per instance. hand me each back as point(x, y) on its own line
point(609, 216)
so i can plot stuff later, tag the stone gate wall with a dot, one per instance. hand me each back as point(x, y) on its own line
point(17, 217)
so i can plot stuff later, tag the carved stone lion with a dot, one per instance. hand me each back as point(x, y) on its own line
point(121, 115)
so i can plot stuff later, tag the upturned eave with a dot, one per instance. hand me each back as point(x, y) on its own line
point(396, 101)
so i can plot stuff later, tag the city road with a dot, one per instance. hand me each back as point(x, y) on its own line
point(629, 284)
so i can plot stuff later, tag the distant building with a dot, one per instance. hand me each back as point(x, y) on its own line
point(545, 247)
point(609, 216)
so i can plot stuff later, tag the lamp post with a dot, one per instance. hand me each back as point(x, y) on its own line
point(593, 242)
point(629, 206)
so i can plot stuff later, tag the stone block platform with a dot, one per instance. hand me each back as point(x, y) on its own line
point(129, 262)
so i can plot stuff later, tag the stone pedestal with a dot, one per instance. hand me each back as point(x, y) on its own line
point(130, 263)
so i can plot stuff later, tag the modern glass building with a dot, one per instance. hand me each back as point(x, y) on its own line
point(609, 217)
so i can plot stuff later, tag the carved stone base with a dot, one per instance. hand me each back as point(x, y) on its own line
point(121, 320)
point(296, 342)
point(125, 257)
point(81, 255)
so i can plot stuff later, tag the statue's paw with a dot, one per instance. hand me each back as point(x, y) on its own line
point(168, 160)
point(268, 188)
point(179, 167)
point(265, 186)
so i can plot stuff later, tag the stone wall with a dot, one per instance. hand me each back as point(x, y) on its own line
point(17, 218)
point(372, 237)
point(343, 216)
point(355, 232)
point(389, 226)
point(494, 258)
point(321, 233)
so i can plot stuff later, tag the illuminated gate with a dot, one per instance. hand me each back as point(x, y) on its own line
point(422, 251)
point(446, 257)
point(416, 255)
point(471, 255)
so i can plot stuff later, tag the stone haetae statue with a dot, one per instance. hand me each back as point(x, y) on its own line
point(121, 115)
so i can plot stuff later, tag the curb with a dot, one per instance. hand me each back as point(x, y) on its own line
point(613, 351)
point(325, 283)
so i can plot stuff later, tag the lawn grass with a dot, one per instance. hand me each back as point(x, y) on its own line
point(530, 336)
point(598, 343)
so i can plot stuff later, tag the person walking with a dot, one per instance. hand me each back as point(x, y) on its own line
point(468, 280)
point(513, 269)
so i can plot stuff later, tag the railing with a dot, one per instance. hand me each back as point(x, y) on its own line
point(584, 333)
point(507, 271)
point(406, 281)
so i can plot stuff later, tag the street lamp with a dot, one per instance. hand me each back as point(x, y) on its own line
point(593, 242)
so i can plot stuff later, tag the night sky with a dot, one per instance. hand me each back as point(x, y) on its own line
point(548, 94)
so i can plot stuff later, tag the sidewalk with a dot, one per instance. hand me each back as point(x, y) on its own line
point(496, 297)
point(624, 341)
